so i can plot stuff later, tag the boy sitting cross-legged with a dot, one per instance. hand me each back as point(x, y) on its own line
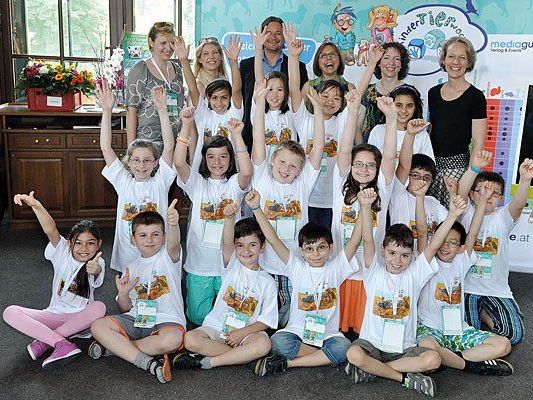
point(441, 309)
point(311, 337)
point(234, 331)
point(387, 344)
point(153, 322)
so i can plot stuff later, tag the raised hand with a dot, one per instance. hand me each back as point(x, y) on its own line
point(105, 95)
point(487, 188)
point(416, 126)
point(260, 91)
point(526, 169)
point(93, 266)
point(375, 54)
point(387, 107)
point(187, 115)
point(289, 32)
point(159, 97)
point(451, 185)
point(366, 197)
point(234, 48)
point(419, 188)
point(124, 284)
point(481, 158)
point(173, 216)
point(231, 210)
point(314, 98)
point(253, 198)
point(260, 37)
point(457, 206)
point(296, 47)
point(29, 200)
point(235, 126)
point(181, 49)
point(353, 99)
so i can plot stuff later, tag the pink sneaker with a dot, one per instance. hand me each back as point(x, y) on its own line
point(37, 349)
point(63, 353)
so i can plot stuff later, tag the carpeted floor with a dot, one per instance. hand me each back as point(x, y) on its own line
point(26, 279)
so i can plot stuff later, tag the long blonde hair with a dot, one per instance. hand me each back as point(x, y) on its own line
point(198, 68)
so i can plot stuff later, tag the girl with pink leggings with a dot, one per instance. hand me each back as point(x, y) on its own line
point(78, 270)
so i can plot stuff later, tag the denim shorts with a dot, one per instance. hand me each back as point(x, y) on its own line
point(288, 345)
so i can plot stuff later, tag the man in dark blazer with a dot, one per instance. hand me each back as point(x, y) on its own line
point(273, 60)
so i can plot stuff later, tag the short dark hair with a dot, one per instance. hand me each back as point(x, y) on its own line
point(399, 234)
point(313, 232)
point(488, 176)
point(409, 90)
point(425, 163)
point(460, 229)
point(332, 83)
point(248, 227)
point(147, 218)
point(404, 59)
point(270, 19)
point(284, 107)
point(217, 142)
point(216, 85)
point(316, 68)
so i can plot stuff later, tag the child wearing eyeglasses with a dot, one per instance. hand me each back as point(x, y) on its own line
point(488, 297)
point(142, 179)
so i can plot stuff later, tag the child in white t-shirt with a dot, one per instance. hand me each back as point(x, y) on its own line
point(149, 295)
point(78, 270)
point(489, 300)
point(142, 181)
point(234, 331)
point(387, 344)
point(441, 308)
point(311, 337)
point(359, 167)
point(285, 183)
point(211, 188)
point(409, 105)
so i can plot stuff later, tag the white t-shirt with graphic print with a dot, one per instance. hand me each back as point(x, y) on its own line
point(160, 280)
point(135, 197)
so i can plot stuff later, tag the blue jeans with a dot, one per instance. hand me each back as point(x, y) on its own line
point(288, 345)
point(322, 216)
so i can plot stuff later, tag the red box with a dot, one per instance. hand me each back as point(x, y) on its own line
point(38, 101)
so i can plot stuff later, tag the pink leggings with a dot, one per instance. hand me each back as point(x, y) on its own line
point(51, 328)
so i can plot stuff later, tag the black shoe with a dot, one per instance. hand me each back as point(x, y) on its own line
point(496, 367)
point(96, 351)
point(421, 383)
point(187, 361)
point(358, 375)
point(270, 365)
point(156, 368)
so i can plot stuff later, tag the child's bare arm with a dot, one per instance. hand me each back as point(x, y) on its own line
point(259, 145)
point(181, 49)
point(315, 155)
point(376, 52)
point(388, 162)
point(107, 100)
point(520, 198)
point(357, 235)
point(414, 127)
point(366, 197)
point(228, 233)
point(45, 219)
point(124, 287)
point(486, 191)
point(234, 338)
point(182, 143)
point(246, 169)
point(478, 161)
point(421, 225)
point(173, 232)
point(295, 49)
point(160, 102)
point(344, 154)
point(232, 52)
point(253, 199)
point(259, 37)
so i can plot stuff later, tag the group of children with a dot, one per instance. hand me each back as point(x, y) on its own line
point(432, 277)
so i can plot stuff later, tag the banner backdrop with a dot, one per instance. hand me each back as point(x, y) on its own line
point(501, 32)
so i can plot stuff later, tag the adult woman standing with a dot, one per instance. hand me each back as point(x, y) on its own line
point(142, 120)
point(458, 115)
point(390, 71)
point(209, 63)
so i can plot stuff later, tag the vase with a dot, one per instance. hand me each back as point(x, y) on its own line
point(38, 101)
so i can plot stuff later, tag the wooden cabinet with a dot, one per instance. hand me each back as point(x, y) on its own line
point(57, 154)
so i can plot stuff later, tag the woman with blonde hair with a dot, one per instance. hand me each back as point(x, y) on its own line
point(209, 63)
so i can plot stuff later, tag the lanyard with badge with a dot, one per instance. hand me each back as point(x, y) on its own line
point(314, 324)
point(393, 328)
point(235, 319)
point(213, 227)
point(71, 298)
point(451, 313)
point(145, 309)
point(285, 226)
point(172, 97)
point(483, 267)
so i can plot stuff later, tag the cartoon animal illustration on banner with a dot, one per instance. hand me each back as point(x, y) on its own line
point(344, 38)
point(381, 20)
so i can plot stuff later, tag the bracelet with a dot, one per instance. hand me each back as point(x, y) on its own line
point(241, 150)
point(476, 169)
point(230, 216)
point(255, 208)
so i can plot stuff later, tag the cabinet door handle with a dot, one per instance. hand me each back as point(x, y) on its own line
point(36, 140)
point(94, 140)
point(47, 140)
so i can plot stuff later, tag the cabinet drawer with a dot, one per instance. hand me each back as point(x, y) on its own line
point(90, 141)
point(37, 141)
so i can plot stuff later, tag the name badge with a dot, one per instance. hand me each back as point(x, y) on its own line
point(172, 104)
point(145, 313)
point(324, 164)
point(234, 320)
point(314, 330)
point(393, 332)
point(453, 324)
point(213, 233)
point(286, 228)
point(483, 268)
point(73, 300)
point(347, 230)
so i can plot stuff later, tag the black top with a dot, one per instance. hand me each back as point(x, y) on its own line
point(451, 121)
point(248, 81)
